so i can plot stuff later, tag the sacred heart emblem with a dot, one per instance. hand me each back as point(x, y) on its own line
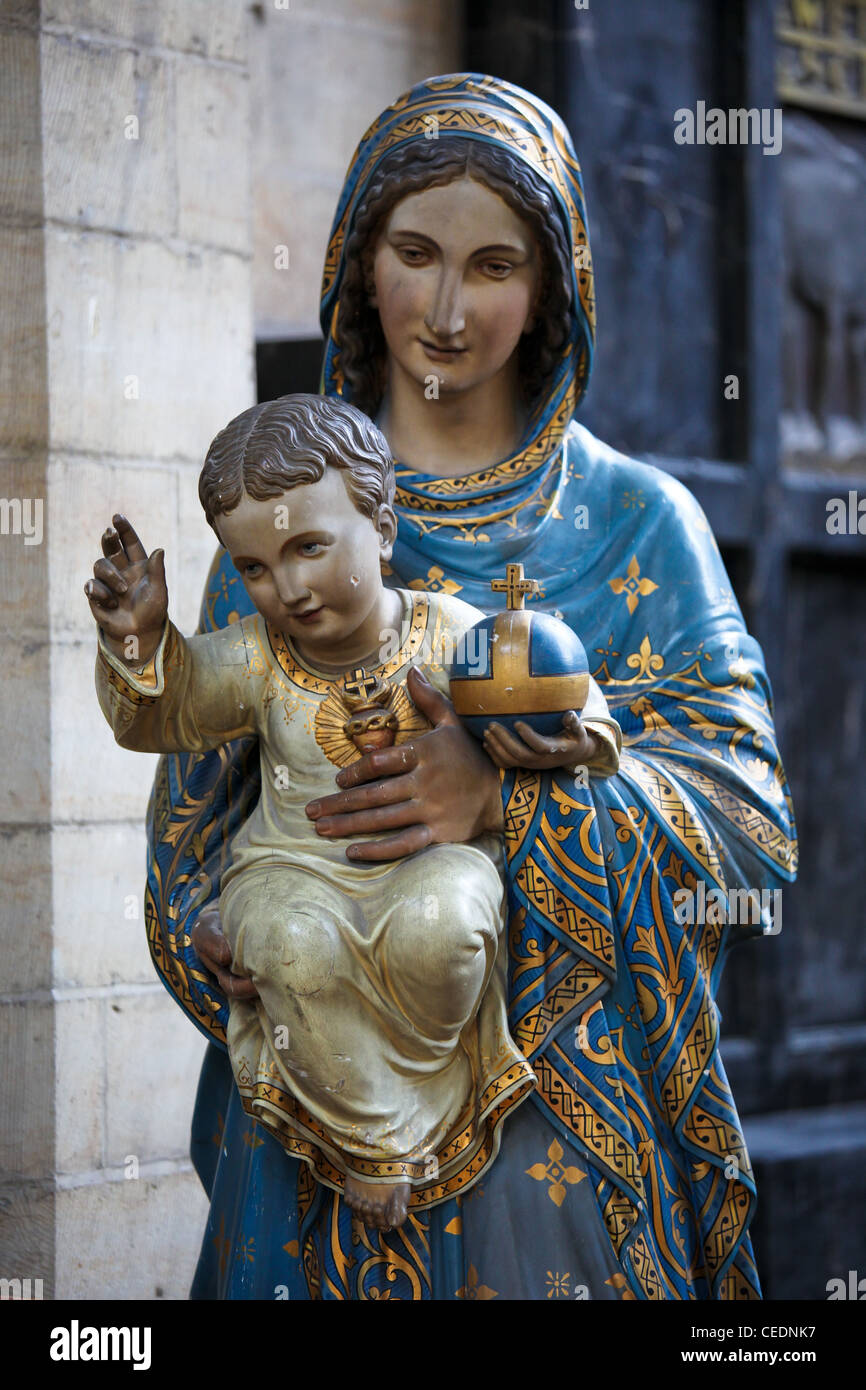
point(364, 712)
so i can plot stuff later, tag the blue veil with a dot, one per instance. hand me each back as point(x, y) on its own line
point(612, 977)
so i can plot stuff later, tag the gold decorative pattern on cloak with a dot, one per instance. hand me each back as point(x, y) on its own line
point(473, 1288)
point(598, 1138)
point(435, 582)
point(449, 494)
point(632, 585)
point(761, 832)
point(673, 812)
point(553, 1172)
point(532, 1031)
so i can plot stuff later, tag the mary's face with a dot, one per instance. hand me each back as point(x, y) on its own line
point(456, 274)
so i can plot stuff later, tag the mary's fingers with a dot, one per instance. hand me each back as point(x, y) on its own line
point(571, 722)
point(135, 551)
point(371, 822)
point(384, 762)
point(409, 841)
point(210, 943)
point(495, 747)
point(511, 744)
point(538, 742)
point(235, 986)
point(430, 701)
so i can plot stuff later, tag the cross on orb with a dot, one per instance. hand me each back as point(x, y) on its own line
point(359, 684)
point(514, 586)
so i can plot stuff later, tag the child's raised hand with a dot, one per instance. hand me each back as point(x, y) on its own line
point(127, 594)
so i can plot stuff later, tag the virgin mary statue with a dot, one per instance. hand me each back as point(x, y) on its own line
point(625, 1175)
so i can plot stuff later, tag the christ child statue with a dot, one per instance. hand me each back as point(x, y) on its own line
point(378, 1049)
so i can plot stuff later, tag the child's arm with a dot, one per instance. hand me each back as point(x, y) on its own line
point(159, 692)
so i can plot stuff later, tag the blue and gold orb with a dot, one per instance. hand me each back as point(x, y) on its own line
point(518, 665)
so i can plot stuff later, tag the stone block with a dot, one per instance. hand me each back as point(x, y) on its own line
point(365, 68)
point(24, 545)
point(92, 778)
point(436, 21)
point(27, 1089)
point(98, 879)
point(25, 748)
point(295, 212)
point(212, 156)
point(196, 549)
point(26, 908)
point(108, 137)
point(209, 28)
point(83, 494)
point(154, 1058)
point(27, 1233)
point(20, 146)
point(136, 1240)
point(150, 349)
point(79, 1040)
point(23, 360)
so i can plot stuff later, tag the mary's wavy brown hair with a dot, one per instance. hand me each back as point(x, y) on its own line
point(427, 164)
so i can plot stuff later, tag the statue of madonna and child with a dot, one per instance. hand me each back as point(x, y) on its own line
point(464, 1044)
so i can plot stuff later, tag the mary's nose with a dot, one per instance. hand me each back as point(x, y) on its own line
point(446, 317)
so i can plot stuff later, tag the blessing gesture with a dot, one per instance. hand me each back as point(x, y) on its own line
point(127, 594)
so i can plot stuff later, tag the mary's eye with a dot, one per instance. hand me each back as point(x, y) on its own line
point(499, 269)
point(252, 571)
point(311, 547)
point(413, 255)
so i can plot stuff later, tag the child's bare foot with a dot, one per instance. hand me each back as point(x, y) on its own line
point(376, 1205)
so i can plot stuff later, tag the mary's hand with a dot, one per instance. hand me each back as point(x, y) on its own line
point(575, 745)
point(215, 954)
point(440, 788)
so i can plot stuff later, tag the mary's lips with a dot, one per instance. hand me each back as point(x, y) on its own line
point(441, 351)
point(307, 615)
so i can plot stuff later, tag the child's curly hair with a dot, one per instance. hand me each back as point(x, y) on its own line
point(277, 445)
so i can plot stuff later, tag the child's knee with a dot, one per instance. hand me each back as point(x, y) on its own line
point(290, 949)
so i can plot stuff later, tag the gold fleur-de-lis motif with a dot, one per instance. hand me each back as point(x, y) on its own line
point(436, 582)
point(554, 1173)
point(558, 1284)
point(646, 662)
point(620, 1283)
point(472, 1288)
point(635, 587)
point(247, 1250)
point(252, 1140)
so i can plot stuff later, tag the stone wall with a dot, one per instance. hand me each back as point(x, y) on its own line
point(126, 343)
point(130, 265)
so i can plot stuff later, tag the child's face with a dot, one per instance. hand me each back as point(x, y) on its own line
point(310, 562)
